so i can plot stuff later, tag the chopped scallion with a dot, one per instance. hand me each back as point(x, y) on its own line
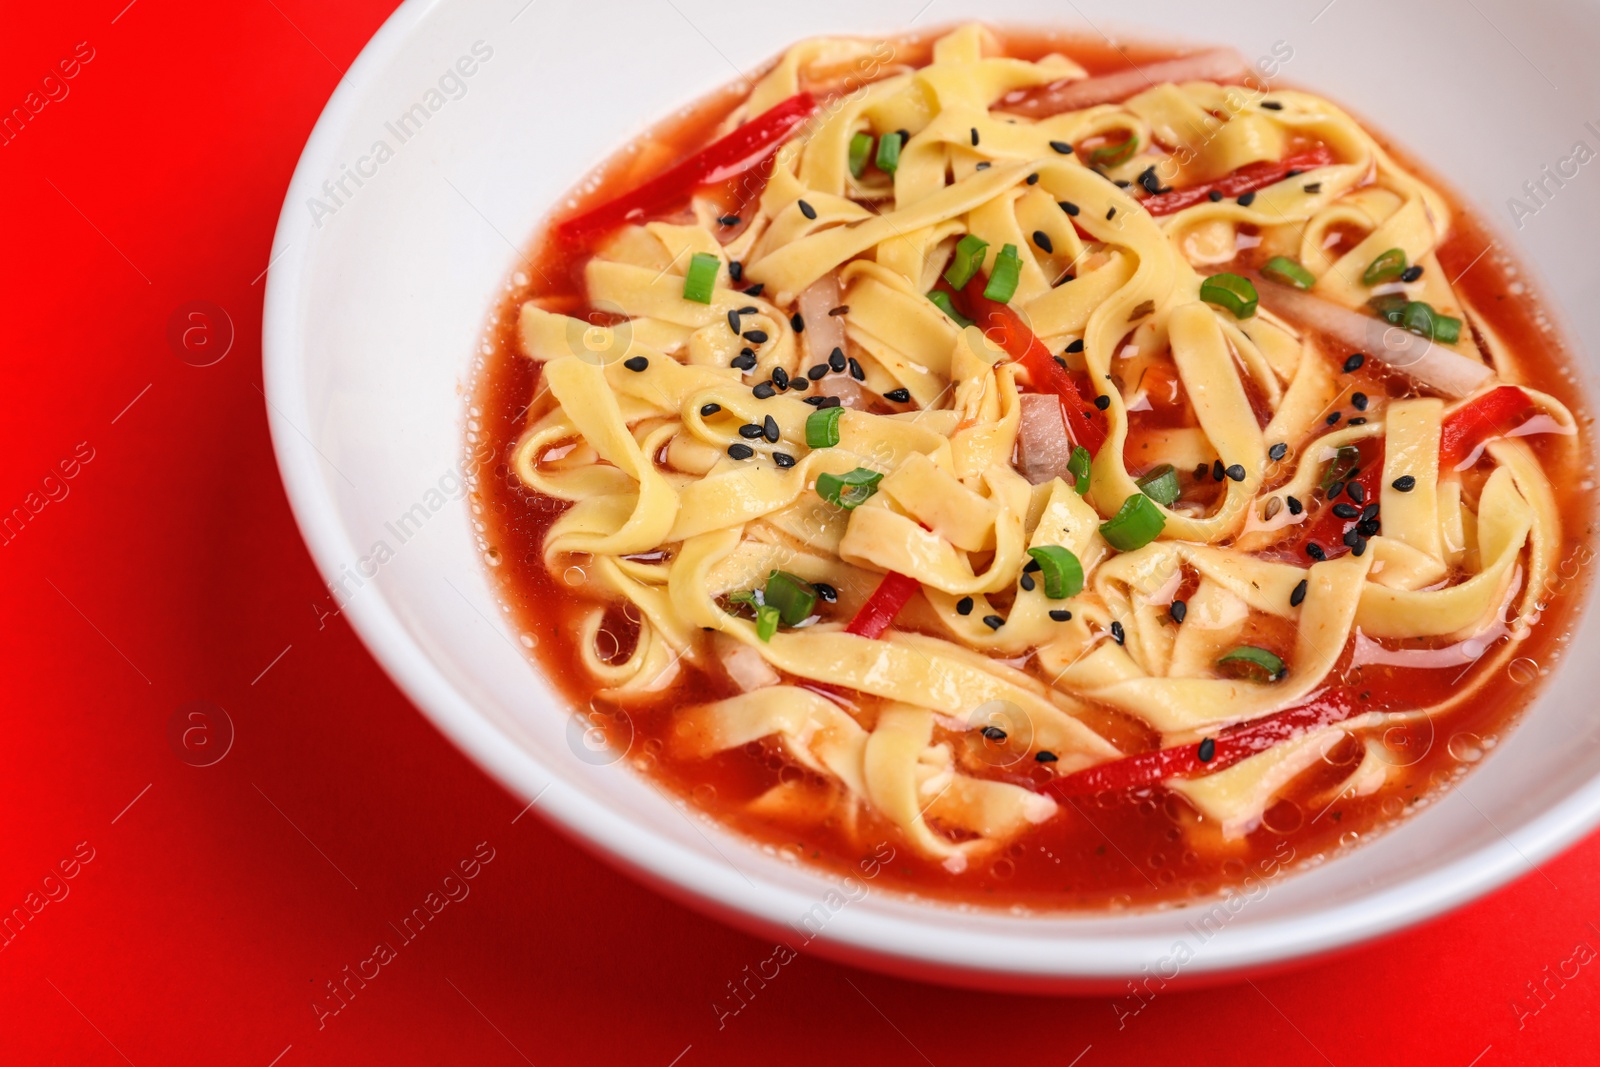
point(1386, 268)
point(1003, 279)
point(1259, 658)
point(767, 618)
point(1060, 571)
point(1136, 524)
point(967, 262)
point(1286, 271)
point(889, 153)
point(1109, 155)
point(1390, 307)
point(794, 598)
point(1161, 485)
point(1231, 292)
point(860, 152)
point(941, 300)
point(849, 491)
point(701, 281)
point(822, 427)
point(1344, 461)
point(1079, 465)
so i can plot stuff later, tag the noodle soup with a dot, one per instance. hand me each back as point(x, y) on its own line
point(1088, 485)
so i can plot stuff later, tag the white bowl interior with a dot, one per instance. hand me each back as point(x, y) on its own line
point(377, 302)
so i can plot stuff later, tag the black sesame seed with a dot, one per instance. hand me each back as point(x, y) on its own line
point(1149, 182)
point(964, 606)
point(836, 359)
point(750, 431)
point(1370, 512)
point(1334, 417)
point(707, 410)
point(769, 427)
point(1208, 750)
point(816, 373)
point(1313, 188)
point(981, 166)
point(856, 372)
point(1352, 537)
point(1295, 507)
point(1102, 402)
point(1061, 615)
point(799, 385)
point(993, 622)
point(763, 391)
point(816, 401)
point(974, 137)
point(1042, 239)
point(1368, 529)
point(750, 311)
point(1411, 273)
point(1362, 421)
point(994, 733)
point(1111, 214)
point(1218, 471)
point(1315, 552)
point(1044, 757)
point(1117, 633)
point(1335, 489)
point(755, 290)
point(1278, 451)
point(1346, 511)
point(738, 451)
point(1026, 581)
point(1032, 567)
point(842, 309)
point(756, 337)
point(1356, 493)
point(1359, 547)
point(636, 363)
point(1033, 179)
point(1272, 105)
point(1069, 207)
point(735, 270)
point(1236, 472)
point(1298, 595)
point(1178, 610)
point(807, 210)
point(733, 321)
point(824, 590)
point(1076, 346)
point(1404, 484)
point(1215, 196)
point(729, 220)
point(899, 396)
point(783, 459)
point(797, 323)
point(743, 362)
point(1061, 361)
point(1247, 199)
point(1353, 364)
point(780, 377)
point(828, 402)
point(1359, 401)
point(1062, 147)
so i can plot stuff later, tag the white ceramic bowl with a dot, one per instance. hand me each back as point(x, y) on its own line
point(377, 301)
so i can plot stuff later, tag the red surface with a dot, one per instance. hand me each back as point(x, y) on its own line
point(215, 908)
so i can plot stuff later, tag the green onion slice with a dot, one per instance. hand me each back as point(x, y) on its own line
point(1259, 658)
point(1109, 155)
point(851, 490)
point(701, 281)
point(1446, 329)
point(968, 260)
point(822, 427)
point(1161, 485)
point(1286, 271)
point(1390, 307)
point(889, 153)
point(1136, 524)
point(1344, 461)
point(745, 596)
point(1003, 279)
point(1386, 268)
point(1079, 465)
point(1231, 292)
point(1060, 570)
point(941, 300)
point(860, 152)
point(766, 621)
point(794, 598)
point(1421, 318)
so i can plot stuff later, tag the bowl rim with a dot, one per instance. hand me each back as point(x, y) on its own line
point(896, 942)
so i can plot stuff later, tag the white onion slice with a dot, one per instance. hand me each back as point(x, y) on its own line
point(1043, 447)
point(745, 666)
point(1431, 365)
point(823, 332)
point(1218, 65)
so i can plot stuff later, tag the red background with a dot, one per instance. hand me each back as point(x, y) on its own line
point(217, 906)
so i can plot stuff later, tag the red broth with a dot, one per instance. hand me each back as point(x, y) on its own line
point(1114, 851)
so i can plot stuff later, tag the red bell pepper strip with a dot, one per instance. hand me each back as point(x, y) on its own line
point(740, 150)
point(1231, 745)
point(1002, 325)
point(1494, 414)
point(883, 605)
point(1247, 179)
